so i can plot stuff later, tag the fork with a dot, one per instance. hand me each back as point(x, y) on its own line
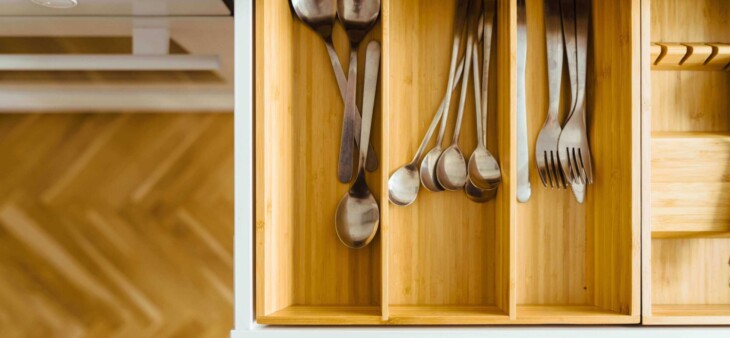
point(574, 150)
point(546, 152)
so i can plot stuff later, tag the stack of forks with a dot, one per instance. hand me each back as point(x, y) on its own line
point(562, 152)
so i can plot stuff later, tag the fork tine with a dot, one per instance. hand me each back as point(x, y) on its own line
point(554, 170)
point(565, 163)
point(580, 179)
point(588, 166)
point(561, 176)
point(540, 169)
point(549, 169)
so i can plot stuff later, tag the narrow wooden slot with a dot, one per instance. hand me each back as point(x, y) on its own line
point(304, 275)
point(697, 54)
point(654, 53)
point(690, 282)
point(449, 258)
point(690, 189)
point(672, 54)
point(572, 257)
point(720, 57)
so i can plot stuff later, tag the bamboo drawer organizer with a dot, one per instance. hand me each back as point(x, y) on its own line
point(443, 260)
point(686, 219)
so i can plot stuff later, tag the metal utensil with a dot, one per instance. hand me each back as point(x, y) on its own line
point(523, 166)
point(568, 17)
point(320, 16)
point(358, 17)
point(479, 195)
point(358, 215)
point(451, 166)
point(546, 148)
point(575, 155)
point(428, 165)
point(475, 192)
point(483, 168)
point(403, 184)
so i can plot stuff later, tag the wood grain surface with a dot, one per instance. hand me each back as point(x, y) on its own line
point(686, 205)
point(443, 260)
point(116, 225)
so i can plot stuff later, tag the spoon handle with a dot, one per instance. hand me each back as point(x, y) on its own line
point(344, 167)
point(372, 68)
point(477, 94)
point(464, 85)
point(372, 161)
point(436, 118)
point(490, 12)
point(459, 27)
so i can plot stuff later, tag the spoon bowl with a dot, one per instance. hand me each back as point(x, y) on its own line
point(358, 216)
point(428, 170)
point(479, 195)
point(403, 185)
point(483, 169)
point(358, 17)
point(320, 15)
point(451, 169)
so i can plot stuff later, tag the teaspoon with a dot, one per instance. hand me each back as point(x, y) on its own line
point(451, 166)
point(320, 16)
point(358, 17)
point(358, 214)
point(428, 166)
point(483, 168)
point(403, 185)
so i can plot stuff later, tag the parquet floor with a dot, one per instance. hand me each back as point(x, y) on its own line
point(116, 225)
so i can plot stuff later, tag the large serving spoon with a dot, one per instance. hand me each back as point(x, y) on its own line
point(483, 168)
point(428, 165)
point(358, 17)
point(320, 16)
point(358, 215)
point(451, 166)
point(403, 184)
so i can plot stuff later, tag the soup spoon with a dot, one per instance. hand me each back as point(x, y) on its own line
point(358, 17)
point(428, 166)
point(403, 185)
point(320, 16)
point(451, 166)
point(358, 215)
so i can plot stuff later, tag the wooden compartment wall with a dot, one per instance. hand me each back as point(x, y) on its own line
point(687, 160)
point(443, 260)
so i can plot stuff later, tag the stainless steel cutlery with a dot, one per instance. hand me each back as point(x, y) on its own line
point(563, 154)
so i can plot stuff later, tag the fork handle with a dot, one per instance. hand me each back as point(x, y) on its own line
point(523, 167)
point(567, 9)
point(554, 44)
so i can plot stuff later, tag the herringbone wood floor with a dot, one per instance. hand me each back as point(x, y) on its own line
point(116, 225)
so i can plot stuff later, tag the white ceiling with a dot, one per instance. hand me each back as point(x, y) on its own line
point(119, 8)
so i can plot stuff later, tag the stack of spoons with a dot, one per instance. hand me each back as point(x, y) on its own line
point(447, 169)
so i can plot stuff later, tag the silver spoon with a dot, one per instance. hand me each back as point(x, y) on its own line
point(477, 194)
point(403, 185)
point(451, 166)
point(428, 166)
point(358, 17)
point(358, 215)
point(483, 168)
point(320, 16)
point(474, 192)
